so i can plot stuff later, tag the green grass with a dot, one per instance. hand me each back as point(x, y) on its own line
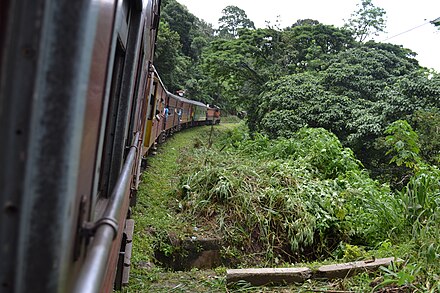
point(157, 214)
point(230, 119)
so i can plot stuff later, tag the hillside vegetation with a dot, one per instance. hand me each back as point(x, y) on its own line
point(338, 157)
point(286, 202)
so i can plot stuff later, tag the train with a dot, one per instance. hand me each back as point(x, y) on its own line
point(81, 106)
point(170, 113)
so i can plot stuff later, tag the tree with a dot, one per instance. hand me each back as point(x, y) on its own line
point(368, 20)
point(232, 20)
point(403, 144)
point(168, 56)
point(427, 126)
point(356, 96)
point(182, 37)
point(181, 21)
point(363, 72)
point(308, 45)
point(241, 66)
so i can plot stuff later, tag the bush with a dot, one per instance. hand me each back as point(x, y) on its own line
point(296, 198)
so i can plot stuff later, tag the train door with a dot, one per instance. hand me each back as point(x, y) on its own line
point(139, 92)
point(117, 120)
point(150, 112)
point(179, 114)
point(158, 121)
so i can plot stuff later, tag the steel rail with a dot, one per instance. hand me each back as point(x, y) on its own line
point(92, 272)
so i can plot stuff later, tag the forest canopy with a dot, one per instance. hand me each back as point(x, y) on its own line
point(308, 74)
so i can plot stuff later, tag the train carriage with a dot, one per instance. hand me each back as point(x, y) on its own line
point(193, 112)
point(198, 112)
point(212, 115)
point(77, 117)
point(156, 105)
point(74, 76)
point(186, 112)
point(172, 118)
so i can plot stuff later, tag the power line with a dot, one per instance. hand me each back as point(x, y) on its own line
point(411, 29)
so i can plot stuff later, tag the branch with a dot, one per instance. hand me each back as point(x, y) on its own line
point(259, 78)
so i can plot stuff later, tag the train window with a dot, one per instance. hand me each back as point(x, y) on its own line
point(125, 21)
point(120, 102)
point(138, 92)
point(126, 10)
point(115, 90)
point(160, 105)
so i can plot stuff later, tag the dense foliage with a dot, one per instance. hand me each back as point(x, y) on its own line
point(239, 67)
point(356, 97)
point(232, 20)
point(296, 198)
point(307, 197)
point(181, 39)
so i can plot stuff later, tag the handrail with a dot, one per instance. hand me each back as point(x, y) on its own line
point(93, 270)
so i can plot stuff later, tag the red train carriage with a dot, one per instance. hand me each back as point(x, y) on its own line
point(212, 115)
point(186, 112)
point(176, 108)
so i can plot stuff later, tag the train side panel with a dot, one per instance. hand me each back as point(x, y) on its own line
point(158, 120)
point(74, 109)
point(172, 119)
point(119, 126)
point(150, 114)
point(199, 112)
point(187, 110)
point(42, 96)
point(213, 115)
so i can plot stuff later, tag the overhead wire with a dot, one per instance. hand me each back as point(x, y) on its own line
point(407, 31)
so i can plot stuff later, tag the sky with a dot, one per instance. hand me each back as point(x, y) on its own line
point(407, 20)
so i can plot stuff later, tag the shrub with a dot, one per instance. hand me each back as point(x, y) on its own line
point(296, 197)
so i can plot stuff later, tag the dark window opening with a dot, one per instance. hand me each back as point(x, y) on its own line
point(115, 93)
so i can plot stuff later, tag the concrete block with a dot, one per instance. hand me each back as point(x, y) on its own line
point(128, 230)
point(344, 270)
point(265, 276)
point(202, 253)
